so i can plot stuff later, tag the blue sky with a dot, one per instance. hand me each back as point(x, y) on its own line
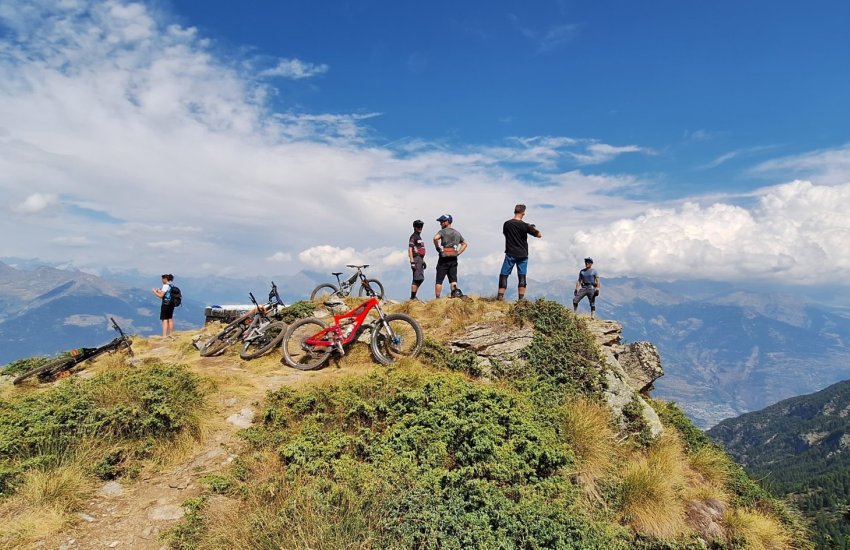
point(667, 139)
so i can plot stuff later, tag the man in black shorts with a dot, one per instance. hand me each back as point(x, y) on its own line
point(449, 244)
point(416, 255)
point(166, 310)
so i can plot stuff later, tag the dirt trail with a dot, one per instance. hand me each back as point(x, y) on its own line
point(133, 513)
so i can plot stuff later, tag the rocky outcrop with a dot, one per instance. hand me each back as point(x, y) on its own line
point(632, 368)
point(642, 364)
point(629, 369)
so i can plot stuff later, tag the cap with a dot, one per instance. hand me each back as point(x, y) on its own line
point(418, 223)
point(588, 259)
point(445, 218)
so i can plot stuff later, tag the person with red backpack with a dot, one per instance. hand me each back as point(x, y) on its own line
point(449, 244)
point(416, 255)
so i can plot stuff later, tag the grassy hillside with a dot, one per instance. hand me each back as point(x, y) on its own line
point(429, 453)
point(800, 448)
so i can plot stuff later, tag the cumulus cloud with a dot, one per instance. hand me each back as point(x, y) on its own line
point(114, 108)
point(35, 203)
point(280, 257)
point(328, 256)
point(294, 69)
point(792, 227)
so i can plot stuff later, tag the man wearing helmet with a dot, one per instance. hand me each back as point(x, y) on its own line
point(516, 233)
point(587, 285)
point(416, 255)
point(449, 244)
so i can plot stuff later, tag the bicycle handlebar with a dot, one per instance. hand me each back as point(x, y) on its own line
point(357, 266)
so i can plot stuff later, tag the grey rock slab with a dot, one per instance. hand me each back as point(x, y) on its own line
point(112, 489)
point(243, 418)
point(165, 512)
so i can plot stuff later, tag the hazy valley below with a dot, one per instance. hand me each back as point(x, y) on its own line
point(725, 351)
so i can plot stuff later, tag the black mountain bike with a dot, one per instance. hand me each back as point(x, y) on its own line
point(343, 289)
point(257, 328)
point(49, 370)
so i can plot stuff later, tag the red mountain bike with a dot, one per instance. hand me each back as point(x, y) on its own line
point(309, 343)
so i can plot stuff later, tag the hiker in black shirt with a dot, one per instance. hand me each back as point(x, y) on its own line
point(416, 255)
point(516, 234)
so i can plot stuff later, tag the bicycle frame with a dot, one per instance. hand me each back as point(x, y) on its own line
point(347, 285)
point(333, 335)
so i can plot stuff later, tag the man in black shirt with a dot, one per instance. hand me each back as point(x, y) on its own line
point(516, 234)
point(416, 255)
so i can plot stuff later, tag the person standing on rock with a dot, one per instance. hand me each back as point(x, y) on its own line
point(416, 255)
point(516, 234)
point(449, 244)
point(587, 285)
point(166, 310)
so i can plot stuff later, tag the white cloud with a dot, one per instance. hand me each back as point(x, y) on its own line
point(826, 166)
point(172, 244)
point(597, 153)
point(72, 241)
point(295, 69)
point(327, 256)
point(280, 257)
point(794, 228)
point(169, 159)
point(35, 203)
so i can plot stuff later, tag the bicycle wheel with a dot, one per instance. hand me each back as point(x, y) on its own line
point(397, 337)
point(221, 341)
point(271, 337)
point(323, 292)
point(48, 369)
point(376, 287)
point(299, 355)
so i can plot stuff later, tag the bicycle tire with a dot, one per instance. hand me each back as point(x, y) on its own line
point(221, 341)
point(273, 334)
point(53, 367)
point(376, 286)
point(296, 353)
point(406, 340)
point(323, 292)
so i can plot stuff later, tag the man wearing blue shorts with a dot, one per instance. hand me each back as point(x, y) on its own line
point(516, 234)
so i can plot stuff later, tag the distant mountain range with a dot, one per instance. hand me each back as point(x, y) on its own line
point(725, 351)
point(46, 310)
point(800, 449)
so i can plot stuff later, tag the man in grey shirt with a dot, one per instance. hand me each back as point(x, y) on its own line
point(449, 244)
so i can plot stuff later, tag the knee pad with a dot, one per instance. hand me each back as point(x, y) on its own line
point(503, 281)
point(418, 282)
point(522, 283)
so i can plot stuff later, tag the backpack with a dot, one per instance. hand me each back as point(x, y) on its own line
point(174, 296)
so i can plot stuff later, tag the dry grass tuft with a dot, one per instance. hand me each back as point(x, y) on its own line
point(756, 530)
point(652, 489)
point(43, 504)
point(710, 466)
point(585, 425)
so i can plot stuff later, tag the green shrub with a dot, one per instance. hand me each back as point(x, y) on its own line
point(439, 356)
point(413, 460)
point(296, 311)
point(20, 366)
point(562, 351)
point(132, 405)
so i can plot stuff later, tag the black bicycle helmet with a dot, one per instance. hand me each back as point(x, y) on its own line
point(417, 224)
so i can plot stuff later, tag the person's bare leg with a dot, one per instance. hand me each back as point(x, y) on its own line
point(438, 289)
point(171, 327)
point(164, 328)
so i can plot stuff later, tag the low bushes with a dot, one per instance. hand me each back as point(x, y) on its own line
point(133, 406)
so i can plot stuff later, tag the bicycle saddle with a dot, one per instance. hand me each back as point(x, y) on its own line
point(340, 273)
